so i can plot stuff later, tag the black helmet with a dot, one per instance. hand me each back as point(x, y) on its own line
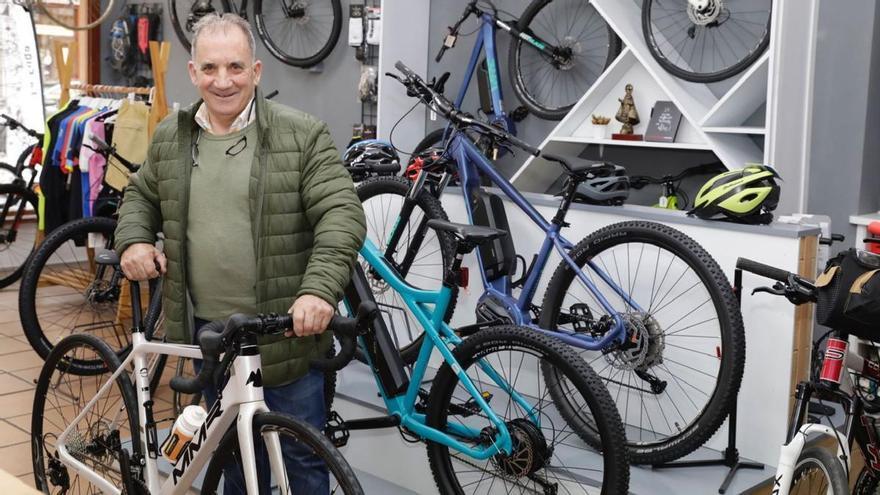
point(606, 184)
point(371, 157)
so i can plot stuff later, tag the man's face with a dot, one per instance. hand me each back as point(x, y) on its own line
point(224, 71)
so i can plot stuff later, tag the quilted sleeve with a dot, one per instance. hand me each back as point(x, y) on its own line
point(336, 215)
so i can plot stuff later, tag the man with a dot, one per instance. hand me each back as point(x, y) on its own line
point(258, 215)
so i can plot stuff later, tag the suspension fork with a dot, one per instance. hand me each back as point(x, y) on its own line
point(409, 204)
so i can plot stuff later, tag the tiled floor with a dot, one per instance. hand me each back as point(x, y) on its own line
point(19, 368)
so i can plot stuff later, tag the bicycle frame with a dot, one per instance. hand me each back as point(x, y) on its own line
point(428, 307)
point(238, 403)
point(470, 163)
point(486, 40)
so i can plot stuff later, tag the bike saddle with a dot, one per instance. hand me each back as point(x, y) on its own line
point(107, 257)
point(474, 234)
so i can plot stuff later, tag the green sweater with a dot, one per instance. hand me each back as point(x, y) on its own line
point(222, 265)
point(307, 223)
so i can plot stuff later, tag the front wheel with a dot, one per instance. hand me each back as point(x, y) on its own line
point(18, 232)
point(300, 33)
point(819, 471)
point(678, 370)
point(547, 455)
point(570, 47)
point(296, 438)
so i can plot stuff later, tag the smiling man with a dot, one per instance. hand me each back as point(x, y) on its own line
point(258, 215)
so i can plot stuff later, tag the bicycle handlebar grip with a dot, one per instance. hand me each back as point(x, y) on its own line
point(439, 56)
point(519, 143)
point(385, 168)
point(210, 337)
point(406, 71)
point(346, 331)
point(762, 269)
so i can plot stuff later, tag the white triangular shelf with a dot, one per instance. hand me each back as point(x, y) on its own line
point(743, 99)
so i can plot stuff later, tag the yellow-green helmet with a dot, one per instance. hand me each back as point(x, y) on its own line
point(746, 195)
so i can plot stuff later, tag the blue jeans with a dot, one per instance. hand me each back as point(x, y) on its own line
point(303, 399)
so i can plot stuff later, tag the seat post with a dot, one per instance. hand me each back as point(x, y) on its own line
point(568, 193)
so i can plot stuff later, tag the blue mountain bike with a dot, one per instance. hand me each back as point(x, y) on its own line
point(484, 411)
point(645, 305)
point(558, 49)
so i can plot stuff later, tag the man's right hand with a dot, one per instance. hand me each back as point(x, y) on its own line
point(140, 261)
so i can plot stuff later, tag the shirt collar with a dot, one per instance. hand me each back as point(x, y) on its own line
point(243, 120)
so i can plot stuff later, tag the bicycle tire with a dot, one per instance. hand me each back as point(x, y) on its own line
point(42, 417)
point(283, 54)
point(729, 344)
point(693, 75)
point(16, 254)
point(478, 349)
point(55, 247)
point(866, 483)
point(814, 462)
point(182, 29)
point(301, 432)
point(431, 208)
point(521, 72)
point(73, 27)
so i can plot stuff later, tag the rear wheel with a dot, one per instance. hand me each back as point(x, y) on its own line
point(548, 455)
point(102, 438)
point(679, 370)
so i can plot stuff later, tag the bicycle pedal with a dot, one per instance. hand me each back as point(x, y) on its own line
point(335, 430)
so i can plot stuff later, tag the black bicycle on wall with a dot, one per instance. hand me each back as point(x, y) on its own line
point(300, 33)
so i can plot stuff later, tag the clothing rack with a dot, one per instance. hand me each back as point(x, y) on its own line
point(159, 54)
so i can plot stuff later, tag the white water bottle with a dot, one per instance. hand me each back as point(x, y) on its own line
point(184, 429)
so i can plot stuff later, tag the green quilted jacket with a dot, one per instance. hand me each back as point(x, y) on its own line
point(306, 221)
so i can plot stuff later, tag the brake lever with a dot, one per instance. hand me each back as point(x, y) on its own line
point(777, 290)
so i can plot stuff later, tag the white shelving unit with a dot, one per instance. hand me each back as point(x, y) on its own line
point(724, 125)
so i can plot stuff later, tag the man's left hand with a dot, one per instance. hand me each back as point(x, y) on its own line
point(311, 315)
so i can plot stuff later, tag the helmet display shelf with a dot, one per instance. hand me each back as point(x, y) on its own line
point(759, 116)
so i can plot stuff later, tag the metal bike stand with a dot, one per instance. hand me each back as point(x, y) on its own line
point(731, 454)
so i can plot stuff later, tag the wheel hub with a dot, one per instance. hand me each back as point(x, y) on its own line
point(704, 12)
point(297, 10)
point(569, 48)
point(530, 451)
point(644, 344)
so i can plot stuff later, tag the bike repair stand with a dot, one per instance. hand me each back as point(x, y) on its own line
point(731, 454)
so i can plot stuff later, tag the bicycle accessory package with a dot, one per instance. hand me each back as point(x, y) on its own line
point(849, 294)
point(355, 24)
point(122, 52)
point(747, 195)
point(606, 184)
